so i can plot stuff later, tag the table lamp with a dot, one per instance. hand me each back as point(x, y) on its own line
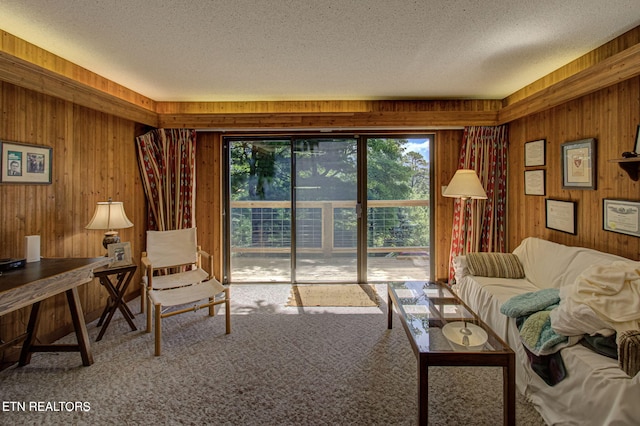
point(109, 216)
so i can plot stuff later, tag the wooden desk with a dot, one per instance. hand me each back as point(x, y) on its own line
point(38, 281)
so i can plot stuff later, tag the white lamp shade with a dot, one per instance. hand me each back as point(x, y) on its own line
point(465, 184)
point(109, 215)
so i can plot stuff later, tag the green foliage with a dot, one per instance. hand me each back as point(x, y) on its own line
point(387, 173)
point(419, 181)
point(260, 170)
point(327, 171)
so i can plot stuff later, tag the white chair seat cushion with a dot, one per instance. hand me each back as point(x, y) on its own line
point(188, 294)
point(179, 279)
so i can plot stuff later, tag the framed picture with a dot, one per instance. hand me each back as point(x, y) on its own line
point(534, 182)
point(21, 163)
point(636, 148)
point(561, 215)
point(120, 253)
point(534, 153)
point(621, 216)
point(579, 164)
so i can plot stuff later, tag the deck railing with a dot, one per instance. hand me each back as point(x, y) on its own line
point(328, 227)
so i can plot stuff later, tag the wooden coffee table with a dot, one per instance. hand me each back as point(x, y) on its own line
point(434, 318)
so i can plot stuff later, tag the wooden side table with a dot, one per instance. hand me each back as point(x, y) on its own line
point(123, 276)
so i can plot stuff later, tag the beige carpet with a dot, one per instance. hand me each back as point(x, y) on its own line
point(280, 366)
point(357, 295)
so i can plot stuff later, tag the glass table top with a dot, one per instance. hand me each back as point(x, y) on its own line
point(438, 321)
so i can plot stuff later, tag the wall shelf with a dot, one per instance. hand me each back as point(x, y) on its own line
point(629, 165)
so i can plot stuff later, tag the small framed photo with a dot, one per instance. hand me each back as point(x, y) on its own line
point(534, 153)
point(120, 253)
point(561, 216)
point(534, 182)
point(22, 163)
point(637, 145)
point(621, 216)
point(579, 164)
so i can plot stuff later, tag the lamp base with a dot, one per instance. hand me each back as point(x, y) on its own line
point(466, 332)
point(110, 237)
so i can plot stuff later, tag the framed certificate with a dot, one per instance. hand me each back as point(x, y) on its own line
point(621, 216)
point(534, 182)
point(534, 153)
point(561, 215)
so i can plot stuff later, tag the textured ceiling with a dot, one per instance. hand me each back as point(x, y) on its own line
point(248, 50)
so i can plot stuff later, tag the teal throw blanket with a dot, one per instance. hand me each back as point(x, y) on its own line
point(528, 303)
point(532, 311)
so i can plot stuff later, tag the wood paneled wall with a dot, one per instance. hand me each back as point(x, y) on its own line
point(209, 204)
point(611, 116)
point(94, 158)
point(447, 153)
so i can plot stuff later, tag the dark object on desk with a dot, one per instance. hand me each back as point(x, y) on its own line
point(9, 264)
point(628, 154)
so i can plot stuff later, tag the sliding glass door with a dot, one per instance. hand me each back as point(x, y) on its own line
point(327, 209)
point(259, 211)
point(398, 211)
point(325, 191)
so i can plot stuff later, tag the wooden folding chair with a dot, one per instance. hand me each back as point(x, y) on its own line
point(175, 277)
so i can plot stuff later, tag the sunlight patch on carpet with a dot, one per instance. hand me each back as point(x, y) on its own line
point(333, 295)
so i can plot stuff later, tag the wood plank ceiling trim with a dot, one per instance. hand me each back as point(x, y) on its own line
point(615, 69)
point(28, 66)
point(381, 119)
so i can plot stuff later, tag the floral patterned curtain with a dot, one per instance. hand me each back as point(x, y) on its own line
point(168, 167)
point(479, 225)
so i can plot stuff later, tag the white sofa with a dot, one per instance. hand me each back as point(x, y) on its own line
point(595, 391)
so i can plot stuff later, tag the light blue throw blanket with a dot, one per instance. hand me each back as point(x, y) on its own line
point(532, 311)
point(529, 303)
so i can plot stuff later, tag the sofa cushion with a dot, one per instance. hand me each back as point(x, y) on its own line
point(499, 265)
point(547, 264)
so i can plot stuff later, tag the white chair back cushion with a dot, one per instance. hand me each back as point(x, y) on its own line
point(172, 248)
